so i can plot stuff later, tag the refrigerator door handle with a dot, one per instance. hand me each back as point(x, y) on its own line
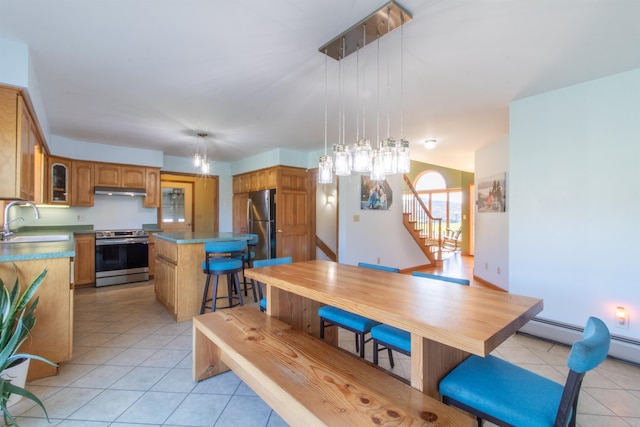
point(249, 219)
point(269, 255)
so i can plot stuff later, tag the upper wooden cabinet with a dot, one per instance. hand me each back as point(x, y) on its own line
point(263, 179)
point(58, 181)
point(21, 148)
point(115, 175)
point(152, 179)
point(81, 183)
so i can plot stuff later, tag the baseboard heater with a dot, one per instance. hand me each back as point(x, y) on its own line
point(621, 347)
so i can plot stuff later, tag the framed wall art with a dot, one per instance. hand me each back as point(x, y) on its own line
point(375, 195)
point(492, 194)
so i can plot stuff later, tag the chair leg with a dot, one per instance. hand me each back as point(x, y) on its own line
point(361, 338)
point(237, 285)
point(390, 357)
point(214, 295)
point(321, 328)
point(375, 352)
point(357, 344)
point(204, 295)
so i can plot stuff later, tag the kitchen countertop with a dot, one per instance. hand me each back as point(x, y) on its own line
point(38, 250)
point(187, 237)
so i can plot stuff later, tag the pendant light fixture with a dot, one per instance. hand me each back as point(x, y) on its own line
point(200, 161)
point(325, 167)
point(388, 157)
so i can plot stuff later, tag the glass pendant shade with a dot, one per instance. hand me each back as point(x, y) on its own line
point(377, 167)
point(197, 160)
point(325, 170)
point(362, 156)
point(389, 158)
point(343, 160)
point(404, 164)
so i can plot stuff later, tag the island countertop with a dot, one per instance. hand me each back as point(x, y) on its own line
point(188, 237)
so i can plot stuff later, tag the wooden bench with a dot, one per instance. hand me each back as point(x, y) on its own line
point(305, 380)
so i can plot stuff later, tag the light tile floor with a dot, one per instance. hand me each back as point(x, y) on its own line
point(132, 367)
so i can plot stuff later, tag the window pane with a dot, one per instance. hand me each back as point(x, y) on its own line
point(172, 204)
point(455, 209)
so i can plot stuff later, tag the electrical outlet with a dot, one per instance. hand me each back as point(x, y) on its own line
point(378, 260)
point(498, 270)
point(356, 218)
point(486, 265)
point(80, 218)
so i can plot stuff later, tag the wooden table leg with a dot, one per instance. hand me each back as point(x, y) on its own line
point(299, 312)
point(430, 362)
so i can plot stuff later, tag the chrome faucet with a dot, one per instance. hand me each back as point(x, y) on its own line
point(6, 231)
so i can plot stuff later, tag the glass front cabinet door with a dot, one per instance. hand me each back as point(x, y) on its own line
point(59, 180)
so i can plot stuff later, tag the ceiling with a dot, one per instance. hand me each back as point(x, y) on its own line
point(153, 73)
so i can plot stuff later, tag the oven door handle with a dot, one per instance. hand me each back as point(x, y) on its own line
point(125, 241)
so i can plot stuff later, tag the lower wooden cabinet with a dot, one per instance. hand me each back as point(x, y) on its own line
point(52, 335)
point(166, 282)
point(152, 256)
point(84, 270)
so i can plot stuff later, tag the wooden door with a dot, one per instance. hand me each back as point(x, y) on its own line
point(293, 216)
point(176, 209)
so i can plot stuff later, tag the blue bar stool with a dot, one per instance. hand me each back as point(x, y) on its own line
point(223, 258)
point(247, 261)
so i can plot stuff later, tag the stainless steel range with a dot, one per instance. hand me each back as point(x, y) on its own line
point(122, 256)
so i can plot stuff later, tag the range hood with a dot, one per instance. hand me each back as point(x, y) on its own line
point(120, 191)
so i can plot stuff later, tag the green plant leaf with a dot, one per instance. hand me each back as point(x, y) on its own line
point(6, 389)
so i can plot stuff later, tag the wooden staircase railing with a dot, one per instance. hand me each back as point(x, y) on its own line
point(425, 229)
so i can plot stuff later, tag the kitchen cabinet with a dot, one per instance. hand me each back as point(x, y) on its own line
point(81, 183)
point(152, 200)
point(107, 174)
point(240, 224)
point(152, 255)
point(21, 148)
point(166, 275)
point(117, 175)
point(58, 182)
point(52, 336)
point(85, 260)
point(293, 204)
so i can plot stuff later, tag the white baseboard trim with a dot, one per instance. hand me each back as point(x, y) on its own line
point(621, 347)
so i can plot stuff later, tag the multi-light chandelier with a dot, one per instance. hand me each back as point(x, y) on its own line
point(389, 156)
point(200, 160)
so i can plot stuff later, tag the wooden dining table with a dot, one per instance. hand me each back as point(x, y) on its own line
point(447, 321)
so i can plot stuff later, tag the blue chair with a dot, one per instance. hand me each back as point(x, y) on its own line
point(359, 325)
point(396, 339)
point(223, 258)
point(498, 391)
point(465, 282)
point(268, 263)
point(248, 258)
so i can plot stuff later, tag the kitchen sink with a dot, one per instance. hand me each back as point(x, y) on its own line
point(37, 238)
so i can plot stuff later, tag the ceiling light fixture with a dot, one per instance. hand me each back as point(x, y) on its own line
point(430, 144)
point(200, 161)
point(388, 157)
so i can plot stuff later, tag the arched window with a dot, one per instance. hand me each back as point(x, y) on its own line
point(443, 202)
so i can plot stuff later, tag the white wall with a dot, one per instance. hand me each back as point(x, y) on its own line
point(491, 256)
point(327, 217)
point(572, 195)
point(377, 234)
point(14, 67)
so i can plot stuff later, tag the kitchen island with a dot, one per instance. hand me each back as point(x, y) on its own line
point(52, 335)
point(179, 280)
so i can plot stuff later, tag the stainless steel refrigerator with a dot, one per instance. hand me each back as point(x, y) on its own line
point(261, 220)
